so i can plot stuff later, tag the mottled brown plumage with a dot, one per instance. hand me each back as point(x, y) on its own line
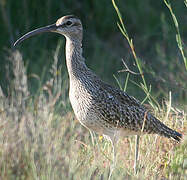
point(97, 105)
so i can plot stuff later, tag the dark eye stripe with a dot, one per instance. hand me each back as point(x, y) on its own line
point(76, 24)
point(67, 24)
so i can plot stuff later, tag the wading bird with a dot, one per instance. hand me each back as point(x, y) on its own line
point(97, 105)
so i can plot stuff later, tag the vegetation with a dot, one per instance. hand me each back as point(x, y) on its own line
point(39, 135)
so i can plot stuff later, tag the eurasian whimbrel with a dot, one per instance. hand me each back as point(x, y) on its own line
point(97, 105)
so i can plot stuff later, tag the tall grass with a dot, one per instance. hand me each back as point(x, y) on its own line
point(178, 36)
point(41, 141)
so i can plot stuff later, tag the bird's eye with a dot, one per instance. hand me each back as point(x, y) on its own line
point(68, 23)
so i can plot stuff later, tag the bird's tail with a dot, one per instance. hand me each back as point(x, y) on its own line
point(163, 130)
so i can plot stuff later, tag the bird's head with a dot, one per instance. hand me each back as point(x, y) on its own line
point(69, 26)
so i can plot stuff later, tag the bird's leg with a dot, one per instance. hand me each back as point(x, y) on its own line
point(92, 134)
point(94, 140)
point(92, 137)
point(136, 154)
point(114, 156)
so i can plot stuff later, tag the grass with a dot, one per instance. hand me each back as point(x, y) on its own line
point(43, 141)
point(40, 137)
point(178, 36)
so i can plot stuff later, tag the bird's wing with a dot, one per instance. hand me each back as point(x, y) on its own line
point(118, 109)
point(121, 96)
point(123, 111)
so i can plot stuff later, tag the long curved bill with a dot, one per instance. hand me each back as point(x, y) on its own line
point(49, 28)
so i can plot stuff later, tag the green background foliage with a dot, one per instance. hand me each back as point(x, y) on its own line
point(148, 22)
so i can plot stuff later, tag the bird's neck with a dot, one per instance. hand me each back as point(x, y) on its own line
point(74, 59)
